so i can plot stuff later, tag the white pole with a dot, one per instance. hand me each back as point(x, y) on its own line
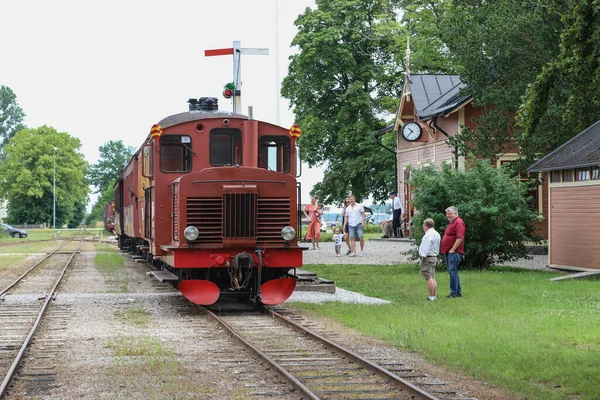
point(54, 208)
point(277, 89)
point(237, 77)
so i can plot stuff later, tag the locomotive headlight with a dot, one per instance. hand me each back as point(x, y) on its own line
point(288, 233)
point(191, 233)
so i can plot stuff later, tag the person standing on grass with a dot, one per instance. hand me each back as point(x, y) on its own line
point(355, 219)
point(429, 250)
point(453, 247)
point(311, 212)
point(338, 238)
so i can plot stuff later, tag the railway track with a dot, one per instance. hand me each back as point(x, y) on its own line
point(19, 321)
point(314, 365)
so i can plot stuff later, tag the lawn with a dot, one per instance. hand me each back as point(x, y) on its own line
point(512, 327)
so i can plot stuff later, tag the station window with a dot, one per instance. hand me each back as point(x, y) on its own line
point(274, 153)
point(582, 174)
point(595, 173)
point(175, 153)
point(568, 175)
point(225, 147)
point(555, 176)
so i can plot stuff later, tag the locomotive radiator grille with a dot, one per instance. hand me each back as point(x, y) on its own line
point(273, 216)
point(223, 218)
point(206, 215)
point(239, 215)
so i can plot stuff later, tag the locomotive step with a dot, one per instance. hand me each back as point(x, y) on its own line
point(163, 275)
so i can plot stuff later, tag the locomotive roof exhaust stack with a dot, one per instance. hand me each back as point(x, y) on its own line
point(204, 104)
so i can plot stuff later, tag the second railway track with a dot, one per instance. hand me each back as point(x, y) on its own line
point(20, 320)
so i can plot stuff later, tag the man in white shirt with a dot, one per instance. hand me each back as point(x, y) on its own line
point(428, 251)
point(355, 219)
point(397, 213)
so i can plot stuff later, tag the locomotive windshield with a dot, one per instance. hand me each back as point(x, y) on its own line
point(274, 153)
point(175, 153)
point(225, 147)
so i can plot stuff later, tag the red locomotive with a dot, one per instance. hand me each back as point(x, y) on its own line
point(211, 198)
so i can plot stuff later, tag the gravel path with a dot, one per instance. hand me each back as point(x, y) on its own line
point(390, 252)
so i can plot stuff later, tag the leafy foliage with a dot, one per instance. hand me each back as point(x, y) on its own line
point(11, 116)
point(114, 156)
point(494, 207)
point(564, 99)
point(341, 84)
point(97, 213)
point(501, 46)
point(28, 176)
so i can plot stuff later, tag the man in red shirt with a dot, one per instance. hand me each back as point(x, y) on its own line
point(453, 247)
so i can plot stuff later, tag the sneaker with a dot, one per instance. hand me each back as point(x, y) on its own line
point(338, 255)
point(431, 298)
point(352, 255)
point(361, 254)
point(348, 252)
point(385, 237)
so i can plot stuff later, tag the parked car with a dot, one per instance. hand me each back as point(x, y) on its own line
point(14, 232)
point(330, 221)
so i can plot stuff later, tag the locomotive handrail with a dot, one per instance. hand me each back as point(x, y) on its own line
point(239, 180)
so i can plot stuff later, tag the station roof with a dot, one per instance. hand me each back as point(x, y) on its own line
point(436, 94)
point(581, 151)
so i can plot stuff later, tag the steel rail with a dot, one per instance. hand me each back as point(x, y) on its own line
point(32, 268)
point(27, 341)
point(290, 378)
point(398, 381)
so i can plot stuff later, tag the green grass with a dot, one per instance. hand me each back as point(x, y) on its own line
point(136, 316)
point(513, 328)
point(10, 260)
point(24, 247)
point(110, 264)
point(147, 356)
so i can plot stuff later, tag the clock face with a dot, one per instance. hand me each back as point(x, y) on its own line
point(411, 131)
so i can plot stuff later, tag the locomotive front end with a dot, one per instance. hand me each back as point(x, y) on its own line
point(234, 235)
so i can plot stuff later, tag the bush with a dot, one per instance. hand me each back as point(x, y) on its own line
point(494, 206)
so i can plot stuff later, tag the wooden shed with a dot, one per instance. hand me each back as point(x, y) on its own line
point(574, 201)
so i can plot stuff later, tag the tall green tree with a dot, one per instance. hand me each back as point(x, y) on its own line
point(97, 213)
point(341, 85)
point(564, 99)
point(114, 156)
point(11, 116)
point(501, 47)
point(28, 176)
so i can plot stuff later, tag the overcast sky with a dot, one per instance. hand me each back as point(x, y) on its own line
point(109, 70)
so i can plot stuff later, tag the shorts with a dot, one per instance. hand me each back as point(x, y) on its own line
point(346, 228)
point(428, 267)
point(356, 232)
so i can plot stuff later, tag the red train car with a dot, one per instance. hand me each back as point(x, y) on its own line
point(109, 216)
point(211, 199)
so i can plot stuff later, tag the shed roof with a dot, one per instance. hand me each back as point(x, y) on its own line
point(436, 94)
point(581, 151)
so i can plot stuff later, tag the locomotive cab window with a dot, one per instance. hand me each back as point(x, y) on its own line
point(274, 153)
point(225, 147)
point(175, 153)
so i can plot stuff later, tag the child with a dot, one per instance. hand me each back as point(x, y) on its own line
point(338, 238)
point(318, 215)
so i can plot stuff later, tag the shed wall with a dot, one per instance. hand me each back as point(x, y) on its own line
point(575, 226)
